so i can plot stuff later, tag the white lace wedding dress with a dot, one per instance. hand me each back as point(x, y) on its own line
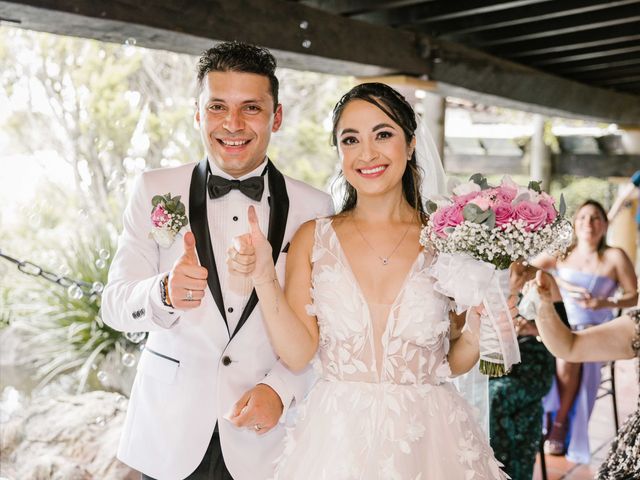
point(382, 408)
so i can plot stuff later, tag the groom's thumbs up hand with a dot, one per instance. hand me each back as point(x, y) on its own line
point(189, 245)
point(187, 279)
point(250, 254)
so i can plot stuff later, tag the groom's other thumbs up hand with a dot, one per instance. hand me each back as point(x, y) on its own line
point(187, 279)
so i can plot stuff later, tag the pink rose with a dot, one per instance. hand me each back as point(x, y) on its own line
point(483, 202)
point(159, 216)
point(449, 216)
point(533, 214)
point(462, 200)
point(504, 212)
point(505, 194)
point(550, 209)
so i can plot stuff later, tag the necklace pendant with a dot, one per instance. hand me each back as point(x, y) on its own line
point(385, 261)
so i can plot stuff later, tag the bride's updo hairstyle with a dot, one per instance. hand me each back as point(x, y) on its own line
point(396, 107)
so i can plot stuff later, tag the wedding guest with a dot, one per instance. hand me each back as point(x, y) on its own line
point(590, 278)
point(515, 400)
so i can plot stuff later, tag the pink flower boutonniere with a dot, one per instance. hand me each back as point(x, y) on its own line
point(168, 217)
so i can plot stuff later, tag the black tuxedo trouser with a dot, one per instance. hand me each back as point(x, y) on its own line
point(211, 467)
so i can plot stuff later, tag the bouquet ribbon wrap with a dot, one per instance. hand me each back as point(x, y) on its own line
point(472, 282)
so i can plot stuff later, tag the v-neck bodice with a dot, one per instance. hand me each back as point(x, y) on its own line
point(405, 342)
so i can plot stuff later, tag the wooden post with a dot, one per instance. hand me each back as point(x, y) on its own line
point(433, 110)
point(540, 169)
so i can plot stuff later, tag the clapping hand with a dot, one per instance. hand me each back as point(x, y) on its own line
point(250, 254)
point(187, 279)
point(589, 302)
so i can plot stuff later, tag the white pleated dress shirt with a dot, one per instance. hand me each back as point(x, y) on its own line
point(227, 218)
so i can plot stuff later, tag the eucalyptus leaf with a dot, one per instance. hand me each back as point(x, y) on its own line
point(562, 209)
point(523, 197)
point(473, 213)
point(431, 206)
point(535, 186)
point(480, 180)
point(470, 212)
point(156, 200)
point(491, 220)
point(484, 216)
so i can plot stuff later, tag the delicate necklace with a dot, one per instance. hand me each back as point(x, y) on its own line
point(384, 260)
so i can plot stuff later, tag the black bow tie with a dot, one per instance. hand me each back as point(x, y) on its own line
point(252, 187)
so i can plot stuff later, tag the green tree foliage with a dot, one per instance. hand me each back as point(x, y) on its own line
point(107, 109)
point(302, 147)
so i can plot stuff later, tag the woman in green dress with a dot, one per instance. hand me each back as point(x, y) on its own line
point(515, 400)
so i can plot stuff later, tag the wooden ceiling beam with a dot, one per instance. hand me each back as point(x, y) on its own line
point(605, 57)
point(590, 39)
point(611, 17)
point(310, 39)
point(544, 11)
point(578, 70)
point(437, 11)
point(352, 7)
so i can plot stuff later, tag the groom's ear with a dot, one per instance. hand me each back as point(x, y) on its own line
point(277, 118)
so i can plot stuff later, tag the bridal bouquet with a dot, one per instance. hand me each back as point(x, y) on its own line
point(478, 232)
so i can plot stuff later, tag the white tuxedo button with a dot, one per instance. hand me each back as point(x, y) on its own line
point(226, 360)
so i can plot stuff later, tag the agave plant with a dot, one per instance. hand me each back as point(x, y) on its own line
point(61, 326)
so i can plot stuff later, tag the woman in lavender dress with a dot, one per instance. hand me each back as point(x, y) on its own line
point(589, 277)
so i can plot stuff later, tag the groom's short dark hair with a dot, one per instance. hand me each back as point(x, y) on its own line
point(239, 57)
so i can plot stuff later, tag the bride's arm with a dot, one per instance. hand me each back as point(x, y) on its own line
point(293, 333)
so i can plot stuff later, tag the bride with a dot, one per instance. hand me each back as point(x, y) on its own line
point(360, 294)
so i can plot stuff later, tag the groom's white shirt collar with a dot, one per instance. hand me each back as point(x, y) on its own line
point(216, 170)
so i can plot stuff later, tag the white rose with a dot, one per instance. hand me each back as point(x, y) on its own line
point(163, 236)
point(465, 188)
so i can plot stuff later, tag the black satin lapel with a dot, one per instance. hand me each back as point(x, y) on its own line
point(278, 215)
point(200, 228)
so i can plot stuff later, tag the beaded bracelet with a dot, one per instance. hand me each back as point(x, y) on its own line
point(164, 291)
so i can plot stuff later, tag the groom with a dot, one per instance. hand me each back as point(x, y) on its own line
point(209, 393)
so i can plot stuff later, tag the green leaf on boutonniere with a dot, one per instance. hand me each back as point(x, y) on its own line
point(431, 206)
point(156, 200)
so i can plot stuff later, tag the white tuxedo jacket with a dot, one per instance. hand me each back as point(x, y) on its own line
point(193, 369)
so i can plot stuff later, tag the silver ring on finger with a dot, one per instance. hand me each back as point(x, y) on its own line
point(257, 427)
point(189, 297)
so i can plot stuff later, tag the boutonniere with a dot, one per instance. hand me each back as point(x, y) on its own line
point(168, 217)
